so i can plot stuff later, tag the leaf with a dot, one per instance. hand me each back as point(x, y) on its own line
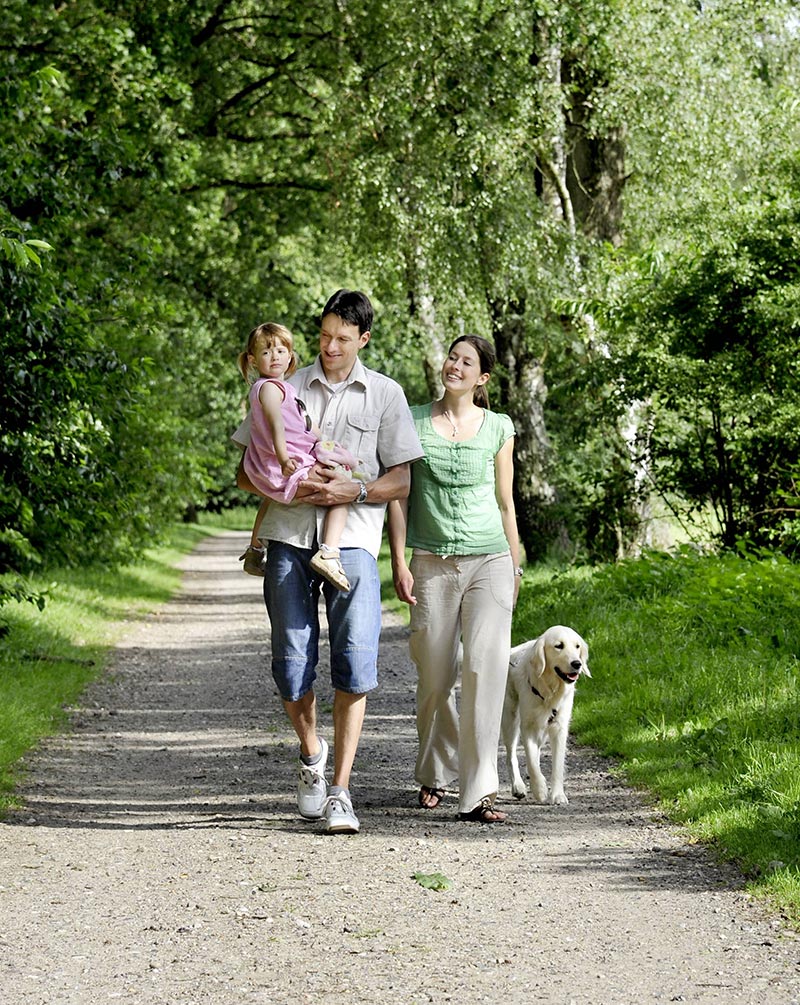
point(20, 257)
point(50, 74)
point(433, 880)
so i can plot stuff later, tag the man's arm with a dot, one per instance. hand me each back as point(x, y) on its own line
point(241, 438)
point(325, 488)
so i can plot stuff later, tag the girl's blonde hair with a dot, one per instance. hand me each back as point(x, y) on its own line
point(263, 336)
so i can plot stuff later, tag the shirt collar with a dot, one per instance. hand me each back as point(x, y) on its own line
point(358, 375)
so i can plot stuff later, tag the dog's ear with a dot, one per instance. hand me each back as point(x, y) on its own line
point(537, 660)
point(585, 658)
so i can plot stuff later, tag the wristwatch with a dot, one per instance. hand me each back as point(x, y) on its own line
point(362, 491)
point(518, 571)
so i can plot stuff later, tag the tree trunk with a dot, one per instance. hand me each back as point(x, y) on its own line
point(596, 178)
point(525, 391)
point(422, 312)
point(595, 174)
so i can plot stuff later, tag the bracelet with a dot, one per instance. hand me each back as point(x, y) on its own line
point(519, 571)
point(362, 491)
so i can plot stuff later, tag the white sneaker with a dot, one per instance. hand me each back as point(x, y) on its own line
point(339, 814)
point(312, 789)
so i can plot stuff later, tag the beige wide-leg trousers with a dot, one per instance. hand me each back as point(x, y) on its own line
point(461, 599)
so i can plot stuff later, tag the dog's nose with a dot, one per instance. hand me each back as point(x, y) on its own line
point(576, 664)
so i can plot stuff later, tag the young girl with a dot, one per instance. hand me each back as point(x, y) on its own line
point(285, 444)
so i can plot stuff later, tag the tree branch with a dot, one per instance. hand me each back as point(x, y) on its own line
point(563, 192)
point(210, 27)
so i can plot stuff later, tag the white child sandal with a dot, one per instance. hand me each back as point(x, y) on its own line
point(328, 564)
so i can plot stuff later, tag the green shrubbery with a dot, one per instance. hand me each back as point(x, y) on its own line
point(709, 342)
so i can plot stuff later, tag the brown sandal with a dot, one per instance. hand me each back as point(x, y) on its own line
point(485, 813)
point(427, 793)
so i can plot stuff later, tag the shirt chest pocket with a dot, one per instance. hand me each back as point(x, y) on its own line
point(361, 439)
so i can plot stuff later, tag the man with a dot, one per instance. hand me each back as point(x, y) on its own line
point(368, 414)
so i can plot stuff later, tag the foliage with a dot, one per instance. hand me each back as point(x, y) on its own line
point(692, 169)
point(457, 127)
point(23, 253)
point(710, 344)
point(198, 168)
point(86, 464)
point(12, 588)
point(120, 393)
point(695, 664)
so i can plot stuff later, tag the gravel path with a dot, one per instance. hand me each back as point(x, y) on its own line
point(158, 859)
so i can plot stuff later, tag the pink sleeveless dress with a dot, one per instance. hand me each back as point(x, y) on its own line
point(260, 463)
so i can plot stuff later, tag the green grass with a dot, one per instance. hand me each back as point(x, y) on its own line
point(695, 663)
point(48, 657)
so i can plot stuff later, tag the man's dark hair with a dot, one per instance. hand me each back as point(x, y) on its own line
point(351, 306)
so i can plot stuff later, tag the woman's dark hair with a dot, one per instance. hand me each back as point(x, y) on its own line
point(353, 307)
point(487, 356)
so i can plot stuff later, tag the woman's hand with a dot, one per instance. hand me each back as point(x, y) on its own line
point(404, 584)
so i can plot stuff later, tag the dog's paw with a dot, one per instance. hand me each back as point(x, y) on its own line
point(539, 792)
point(558, 799)
point(519, 791)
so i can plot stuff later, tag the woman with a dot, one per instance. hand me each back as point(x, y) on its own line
point(462, 582)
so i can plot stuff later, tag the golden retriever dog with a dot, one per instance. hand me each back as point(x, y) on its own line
point(538, 706)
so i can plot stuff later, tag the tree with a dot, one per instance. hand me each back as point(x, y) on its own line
point(716, 355)
point(91, 457)
point(459, 175)
point(199, 168)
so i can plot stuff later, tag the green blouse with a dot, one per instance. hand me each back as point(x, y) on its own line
point(452, 508)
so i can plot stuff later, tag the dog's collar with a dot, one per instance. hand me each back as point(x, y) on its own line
point(553, 714)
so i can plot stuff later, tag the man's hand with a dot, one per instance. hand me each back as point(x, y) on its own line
point(325, 487)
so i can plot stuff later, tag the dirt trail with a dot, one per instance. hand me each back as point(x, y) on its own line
point(158, 859)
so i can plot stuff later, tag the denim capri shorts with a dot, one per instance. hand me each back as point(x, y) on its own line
point(291, 593)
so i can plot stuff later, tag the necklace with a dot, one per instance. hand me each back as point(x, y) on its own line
point(446, 414)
